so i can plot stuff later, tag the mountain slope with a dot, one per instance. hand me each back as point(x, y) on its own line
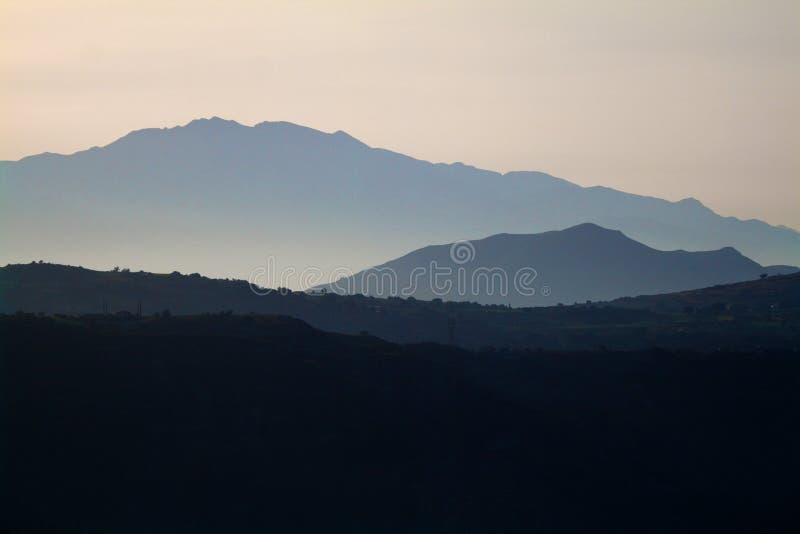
point(262, 424)
point(755, 314)
point(774, 293)
point(219, 196)
point(585, 262)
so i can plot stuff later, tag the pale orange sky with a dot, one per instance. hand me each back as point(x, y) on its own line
point(672, 99)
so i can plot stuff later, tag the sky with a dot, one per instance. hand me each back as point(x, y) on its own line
point(671, 99)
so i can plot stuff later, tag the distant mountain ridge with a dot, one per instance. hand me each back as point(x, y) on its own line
point(219, 196)
point(584, 262)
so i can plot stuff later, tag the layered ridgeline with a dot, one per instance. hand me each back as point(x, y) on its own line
point(219, 197)
point(758, 313)
point(585, 262)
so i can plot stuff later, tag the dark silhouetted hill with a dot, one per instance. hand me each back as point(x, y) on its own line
point(772, 293)
point(263, 424)
point(758, 314)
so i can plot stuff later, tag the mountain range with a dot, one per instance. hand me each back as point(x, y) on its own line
point(584, 262)
point(759, 313)
point(217, 196)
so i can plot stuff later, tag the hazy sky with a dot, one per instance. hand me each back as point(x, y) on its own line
point(672, 98)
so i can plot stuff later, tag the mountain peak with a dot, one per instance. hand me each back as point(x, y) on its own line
point(341, 134)
point(579, 263)
point(213, 121)
point(731, 251)
point(691, 201)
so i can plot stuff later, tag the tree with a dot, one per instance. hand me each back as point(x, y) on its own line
point(762, 276)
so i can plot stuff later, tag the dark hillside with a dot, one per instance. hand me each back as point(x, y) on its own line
point(256, 424)
point(758, 314)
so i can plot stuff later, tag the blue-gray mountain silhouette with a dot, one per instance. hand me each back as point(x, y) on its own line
point(218, 196)
point(585, 262)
